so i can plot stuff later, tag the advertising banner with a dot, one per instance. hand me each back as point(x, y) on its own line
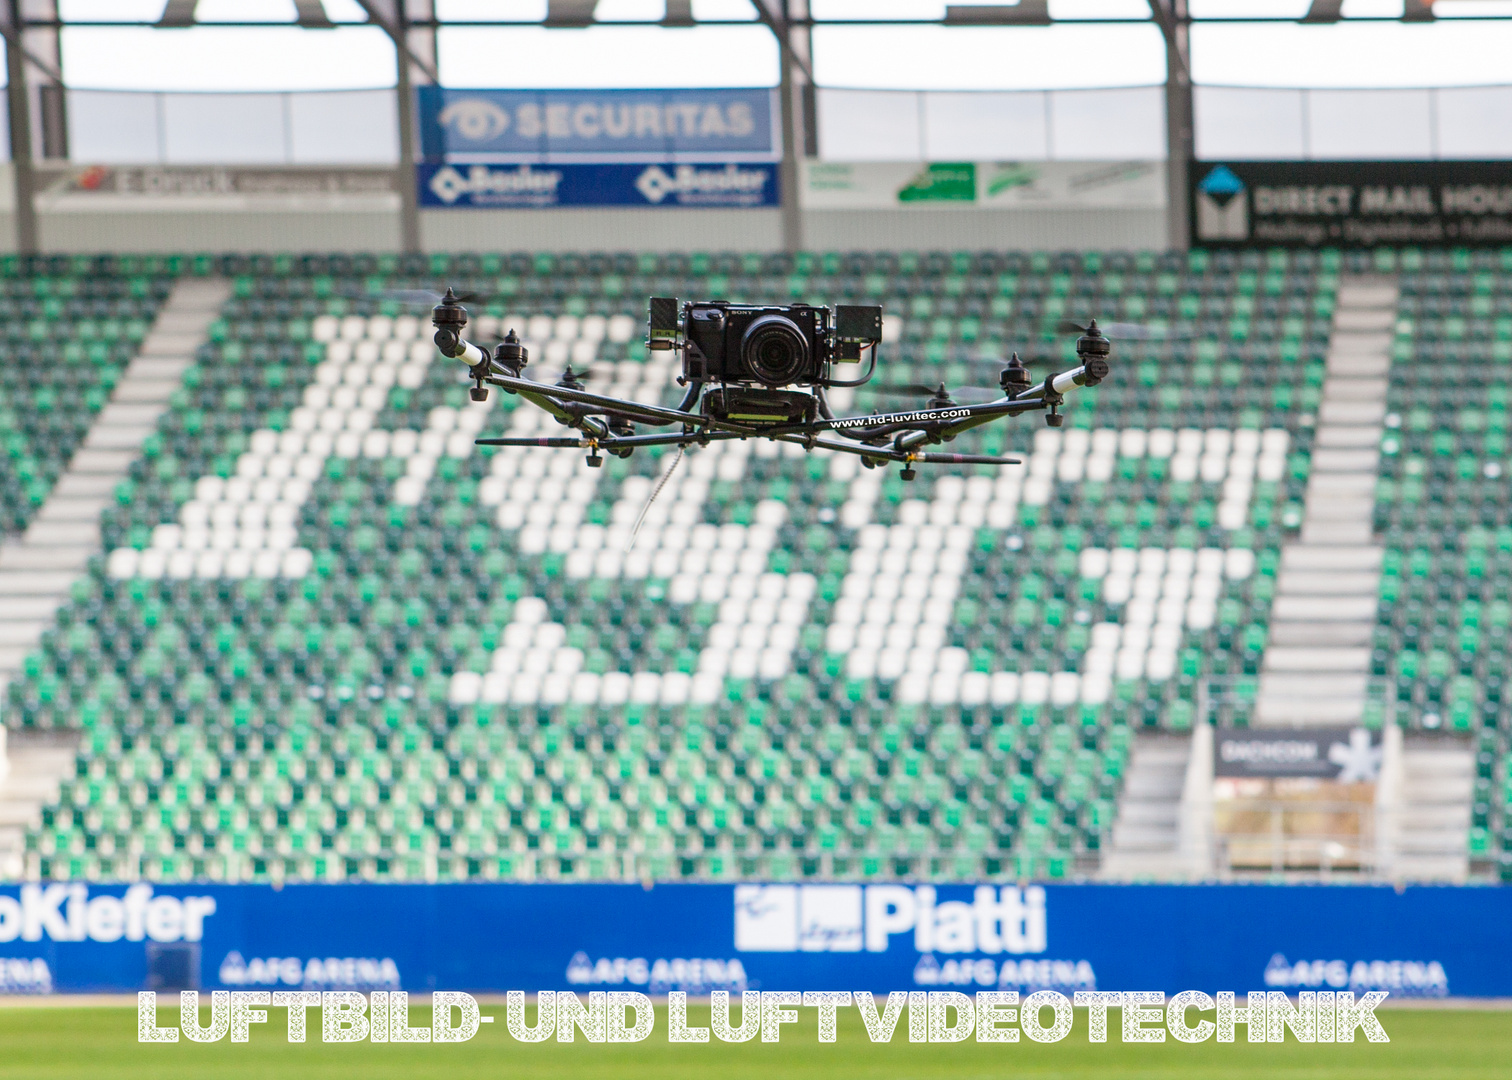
point(1352, 203)
point(597, 125)
point(682, 184)
point(1028, 185)
point(1415, 942)
point(221, 187)
point(1348, 755)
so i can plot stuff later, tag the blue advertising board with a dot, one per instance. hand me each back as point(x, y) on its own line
point(1422, 941)
point(526, 186)
point(501, 125)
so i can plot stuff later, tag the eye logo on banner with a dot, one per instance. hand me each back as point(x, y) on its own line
point(474, 119)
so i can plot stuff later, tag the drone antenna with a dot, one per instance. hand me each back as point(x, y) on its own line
point(654, 493)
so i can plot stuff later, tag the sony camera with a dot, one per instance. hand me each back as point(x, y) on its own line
point(763, 345)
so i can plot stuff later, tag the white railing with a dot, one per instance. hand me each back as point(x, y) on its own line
point(345, 127)
point(1231, 123)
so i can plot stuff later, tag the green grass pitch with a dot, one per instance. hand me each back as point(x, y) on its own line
point(99, 1043)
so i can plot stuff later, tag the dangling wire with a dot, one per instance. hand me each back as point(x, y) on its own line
point(654, 493)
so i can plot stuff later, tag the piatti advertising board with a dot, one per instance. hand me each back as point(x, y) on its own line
point(1415, 942)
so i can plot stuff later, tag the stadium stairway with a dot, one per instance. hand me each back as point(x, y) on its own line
point(1316, 666)
point(1164, 817)
point(38, 568)
point(32, 766)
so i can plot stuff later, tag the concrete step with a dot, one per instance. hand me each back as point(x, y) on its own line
point(1355, 320)
point(67, 507)
point(1436, 792)
point(64, 533)
point(1312, 685)
point(1348, 437)
point(1152, 784)
point(1324, 583)
point(1351, 412)
point(24, 557)
point(118, 437)
point(1336, 532)
point(1131, 838)
point(1356, 365)
point(1354, 389)
point(1319, 635)
point(1431, 841)
point(1438, 816)
point(146, 391)
point(1431, 868)
point(1171, 755)
point(181, 321)
point(1352, 461)
point(77, 485)
point(160, 343)
point(1320, 557)
point(1282, 659)
point(1437, 761)
point(1324, 609)
point(1355, 342)
point(1305, 712)
point(157, 368)
point(1355, 294)
point(33, 582)
point(23, 608)
point(1332, 507)
point(100, 461)
point(1153, 813)
point(1361, 484)
point(23, 633)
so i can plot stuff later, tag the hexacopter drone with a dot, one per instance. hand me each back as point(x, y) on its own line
point(761, 371)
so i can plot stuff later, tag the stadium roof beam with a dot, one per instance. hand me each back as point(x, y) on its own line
point(179, 14)
point(1175, 26)
point(34, 90)
point(1024, 13)
point(678, 13)
point(789, 23)
point(411, 26)
point(570, 14)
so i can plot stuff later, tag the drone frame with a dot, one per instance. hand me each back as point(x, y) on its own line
point(606, 422)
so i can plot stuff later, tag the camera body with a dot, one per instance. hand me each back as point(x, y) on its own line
point(762, 345)
point(769, 346)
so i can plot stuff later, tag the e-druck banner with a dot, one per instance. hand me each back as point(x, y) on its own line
point(599, 125)
point(1422, 941)
point(523, 187)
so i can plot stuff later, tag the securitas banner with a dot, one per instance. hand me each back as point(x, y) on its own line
point(1419, 942)
point(601, 125)
point(681, 184)
point(1352, 203)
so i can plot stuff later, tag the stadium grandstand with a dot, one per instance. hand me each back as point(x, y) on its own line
point(269, 615)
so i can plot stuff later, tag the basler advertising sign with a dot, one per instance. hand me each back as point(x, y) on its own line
point(1420, 941)
point(1351, 203)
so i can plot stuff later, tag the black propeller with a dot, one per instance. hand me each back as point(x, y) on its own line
point(969, 395)
point(424, 297)
point(1131, 331)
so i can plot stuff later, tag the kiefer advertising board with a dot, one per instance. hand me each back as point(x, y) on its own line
point(1351, 203)
point(1422, 941)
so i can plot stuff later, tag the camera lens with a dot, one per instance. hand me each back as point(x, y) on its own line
point(775, 351)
